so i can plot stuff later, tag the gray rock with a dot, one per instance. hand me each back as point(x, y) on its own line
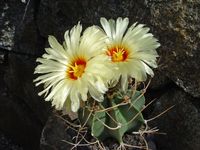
point(18, 29)
point(159, 80)
point(27, 38)
point(181, 124)
point(3, 56)
point(55, 17)
point(22, 112)
point(7, 28)
point(176, 23)
point(19, 79)
point(53, 135)
point(17, 120)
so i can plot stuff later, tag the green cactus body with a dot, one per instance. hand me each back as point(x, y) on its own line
point(115, 121)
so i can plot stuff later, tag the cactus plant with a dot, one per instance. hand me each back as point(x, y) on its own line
point(83, 75)
point(116, 115)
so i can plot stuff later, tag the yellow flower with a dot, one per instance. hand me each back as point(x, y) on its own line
point(71, 71)
point(132, 50)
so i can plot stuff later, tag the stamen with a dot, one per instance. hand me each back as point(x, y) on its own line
point(118, 53)
point(77, 68)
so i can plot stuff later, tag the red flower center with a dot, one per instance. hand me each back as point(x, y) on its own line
point(117, 54)
point(77, 69)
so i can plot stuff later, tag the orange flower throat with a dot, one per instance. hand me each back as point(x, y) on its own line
point(77, 69)
point(117, 54)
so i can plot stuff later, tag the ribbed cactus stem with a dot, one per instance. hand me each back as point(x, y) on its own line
point(118, 114)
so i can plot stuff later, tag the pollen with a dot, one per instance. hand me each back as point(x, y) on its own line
point(118, 54)
point(76, 69)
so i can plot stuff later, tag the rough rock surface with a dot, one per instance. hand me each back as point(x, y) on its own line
point(22, 68)
point(18, 29)
point(55, 17)
point(19, 121)
point(53, 135)
point(181, 123)
point(22, 112)
point(7, 28)
point(177, 26)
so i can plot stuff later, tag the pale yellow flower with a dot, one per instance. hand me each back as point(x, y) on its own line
point(69, 73)
point(132, 50)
